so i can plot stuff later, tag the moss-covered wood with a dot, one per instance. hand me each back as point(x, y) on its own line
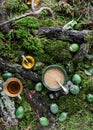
point(41, 109)
point(16, 68)
point(63, 34)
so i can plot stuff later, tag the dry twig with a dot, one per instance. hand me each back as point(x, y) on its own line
point(32, 13)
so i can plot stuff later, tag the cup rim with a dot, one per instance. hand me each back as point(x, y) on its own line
point(5, 87)
point(58, 67)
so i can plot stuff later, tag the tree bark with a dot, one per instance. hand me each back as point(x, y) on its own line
point(61, 34)
point(41, 108)
point(16, 68)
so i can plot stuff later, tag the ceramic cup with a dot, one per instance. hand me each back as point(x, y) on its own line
point(53, 76)
point(13, 87)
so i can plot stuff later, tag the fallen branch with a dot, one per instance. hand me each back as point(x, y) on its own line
point(41, 109)
point(32, 13)
point(61, 34)
point(73, 36)
point(16, 68)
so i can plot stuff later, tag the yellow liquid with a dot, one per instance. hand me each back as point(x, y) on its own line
point(13, 87)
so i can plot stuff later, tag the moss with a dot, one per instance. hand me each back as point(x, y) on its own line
point(23, 7)
point(47, 22)
point(81, 120)
point(28, 22)
point(58, 50)
point(29, 115)
point(12, 5)
point(23, 37)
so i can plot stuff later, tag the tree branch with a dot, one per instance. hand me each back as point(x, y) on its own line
point(32, 6)
point(16, 68)
point(62, 34)
point(32, 13)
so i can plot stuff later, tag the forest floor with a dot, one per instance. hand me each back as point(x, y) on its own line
point(22, 36)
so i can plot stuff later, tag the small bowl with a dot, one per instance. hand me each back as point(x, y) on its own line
point(30, 64)
point(57, 67)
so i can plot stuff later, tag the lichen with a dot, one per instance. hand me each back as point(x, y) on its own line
point(7, 108)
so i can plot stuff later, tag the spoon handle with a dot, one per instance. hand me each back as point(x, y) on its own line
point(24, 58)
point(64, 89)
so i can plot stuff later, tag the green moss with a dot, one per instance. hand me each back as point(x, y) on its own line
point(47, 22)
point(28, 22)
point(12, 5)
point(81, 120)
point(23, 7)
point(58, 50)
point(1, 35)
point(23, 37)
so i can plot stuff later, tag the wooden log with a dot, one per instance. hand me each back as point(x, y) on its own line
point(61, 34)
point(41, 109)
point(16, 68)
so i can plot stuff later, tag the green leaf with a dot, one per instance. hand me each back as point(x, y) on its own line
point(70, 24)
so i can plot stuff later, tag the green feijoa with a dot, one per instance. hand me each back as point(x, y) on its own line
point(74, 89)
point(90, 98)
point(39, 86)
point(74, 47)
point(7, 75)
point(54, 108)
point(62, 116)
point(20, 112)
point(44, 121)
point(76, 79)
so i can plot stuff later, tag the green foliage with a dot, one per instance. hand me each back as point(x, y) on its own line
point(23, 36)
point(20, 35)
point(89, 38)
point(23, 7)
point(47, 22)
point(12, 4)
point(81, 120)
point(28, 22)
point(29, 115)
point(58, 50)
point(1, 35)
point(33, 46)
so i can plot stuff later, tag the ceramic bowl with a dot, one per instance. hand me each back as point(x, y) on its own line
point(61, 69)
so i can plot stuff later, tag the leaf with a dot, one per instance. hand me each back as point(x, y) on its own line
point(70, 24)
point(88, 73)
